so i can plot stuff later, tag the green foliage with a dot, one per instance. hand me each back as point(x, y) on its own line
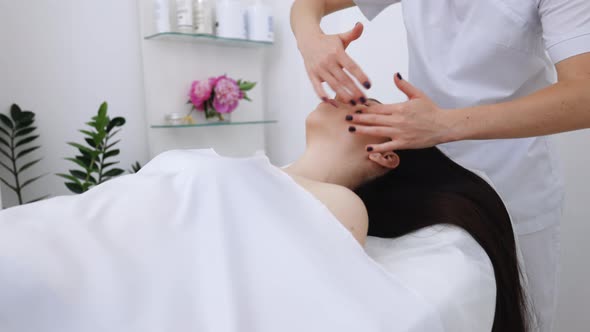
point(135, 168)
point(16, 137)
point(95, 157)
point(246, 86)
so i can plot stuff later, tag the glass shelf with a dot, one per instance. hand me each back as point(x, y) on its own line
point(207, 39)
point(215, 124)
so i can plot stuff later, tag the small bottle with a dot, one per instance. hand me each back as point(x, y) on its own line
point(231, 19)
point(184, 16)
point(162, 15)
point(260, 22)
point(203, 16)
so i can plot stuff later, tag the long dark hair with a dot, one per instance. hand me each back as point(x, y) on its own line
point(428, 189)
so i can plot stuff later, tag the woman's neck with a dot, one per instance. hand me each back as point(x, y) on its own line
point(321, 166)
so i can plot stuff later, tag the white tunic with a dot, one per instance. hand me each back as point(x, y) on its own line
point(198, 242)
point(464, 53)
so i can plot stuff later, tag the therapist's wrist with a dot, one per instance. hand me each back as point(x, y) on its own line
point(455, 123)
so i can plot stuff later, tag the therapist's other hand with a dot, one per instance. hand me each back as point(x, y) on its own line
point(416, 124)
point(326, 60)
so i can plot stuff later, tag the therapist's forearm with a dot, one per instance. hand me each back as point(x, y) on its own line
point(564, 106)
point(306, 15)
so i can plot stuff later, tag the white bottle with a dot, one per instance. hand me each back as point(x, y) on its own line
point(231, 19)
point(162, 15)
point(203, 18)
point(184, 16)
point(260, 22)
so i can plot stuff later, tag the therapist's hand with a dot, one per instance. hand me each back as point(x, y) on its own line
point(416, 124)
point(326, 60)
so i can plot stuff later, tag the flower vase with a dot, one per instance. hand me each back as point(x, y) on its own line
point(223, 118)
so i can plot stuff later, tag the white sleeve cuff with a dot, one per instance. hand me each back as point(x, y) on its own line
point(370, 10)
point(569, 48)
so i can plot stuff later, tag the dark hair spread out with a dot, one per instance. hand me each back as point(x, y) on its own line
point(428, 189)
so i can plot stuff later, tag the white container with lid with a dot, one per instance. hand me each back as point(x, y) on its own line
point(260, 22)
point(184, 16)
point(203, 16)
point(231, 20)
point(162, 15)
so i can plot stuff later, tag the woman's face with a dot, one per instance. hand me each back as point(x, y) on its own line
point(328, 130)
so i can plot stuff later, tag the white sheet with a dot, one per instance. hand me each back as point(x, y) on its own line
point(198, 242)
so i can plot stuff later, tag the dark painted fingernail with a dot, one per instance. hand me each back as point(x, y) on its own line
point(367, 85)
point(359, 112)
point(370, 149)
point(349, 118)
point(363, 100)
point(353, 103)
point(400, 76)
point(351, 129)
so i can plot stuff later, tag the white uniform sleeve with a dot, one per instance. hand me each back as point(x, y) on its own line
point(566, 27)
point(372, 8)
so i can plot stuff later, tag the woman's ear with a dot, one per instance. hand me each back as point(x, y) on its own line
point(388, 160)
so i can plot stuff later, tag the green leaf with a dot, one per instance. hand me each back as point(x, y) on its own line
point(78, 174)
point(28, 165)
point(38, 199)
point(114, 172)
point(26, 152)
point(112, 153)
point(82, 148)
point(7, 167)
point(5, 154)
point(28, 182)
point(107, 165)
point(79, 163)
point(4, 131)
point(8, 184)
point(6, 120)
point(69, 177)
point(24, 124)
point(247, 86)
point(26, 140)
point(3, 141)
point(116, 122)
point(114, 133)
point(102, 111)
point(24, 131)
point(247, 98)
point(15, 112)
point(90, 142)
point(75, 187)
point(112, 144)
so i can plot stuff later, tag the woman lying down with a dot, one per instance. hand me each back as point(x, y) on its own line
point(200, 242)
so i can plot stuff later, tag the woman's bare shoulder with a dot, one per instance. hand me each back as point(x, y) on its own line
point(344, 204)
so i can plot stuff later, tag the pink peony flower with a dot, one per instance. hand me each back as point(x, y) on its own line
point(227, 95)
point(200, 93)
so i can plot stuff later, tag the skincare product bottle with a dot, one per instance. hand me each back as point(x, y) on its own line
point(231, 19)
point(162, 15)
point(260, 22)
point(184, 16)
point(203, 16)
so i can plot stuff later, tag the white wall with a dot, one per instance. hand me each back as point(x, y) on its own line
point(382, 52)
point(62, 59)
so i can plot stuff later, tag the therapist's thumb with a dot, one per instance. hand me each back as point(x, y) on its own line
point(408, 89)
point(352, 35)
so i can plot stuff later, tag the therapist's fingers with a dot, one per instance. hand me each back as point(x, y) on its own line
point(369, 119)
point(407, 88)
point(348, 84)
point(375, 131)
point(355, 70)
point(342, 94)
point(384, 109)
point(352, 35)
point(319, 88)
point(384, 147)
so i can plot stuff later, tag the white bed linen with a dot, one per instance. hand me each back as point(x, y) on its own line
point(199, 242)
